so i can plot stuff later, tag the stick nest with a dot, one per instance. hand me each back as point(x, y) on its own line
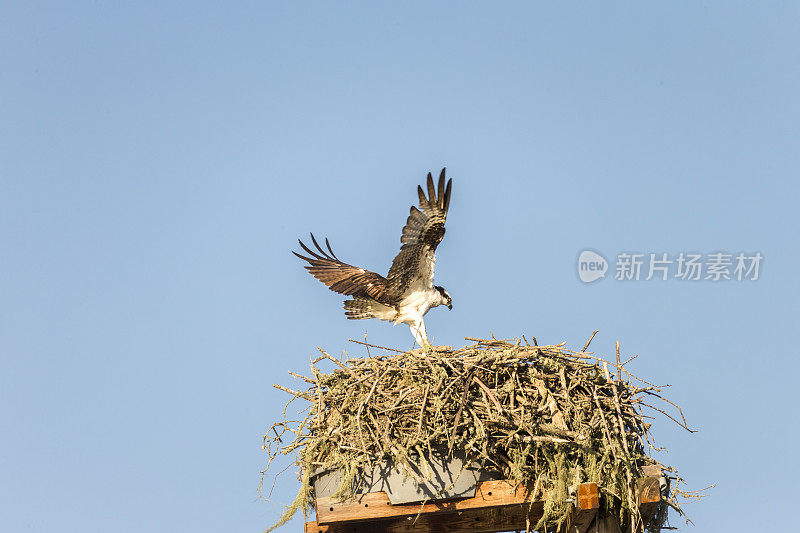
point(543, 416)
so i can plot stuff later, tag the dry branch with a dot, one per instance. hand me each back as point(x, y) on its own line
point(540, 415)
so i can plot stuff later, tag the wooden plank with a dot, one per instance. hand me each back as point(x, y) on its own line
point(376, 505)
point(497, 506)
point(649, 494)
point(508, 518)
point(585, 510)
point(609, 524)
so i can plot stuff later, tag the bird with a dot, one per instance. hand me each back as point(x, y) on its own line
point(407, 292)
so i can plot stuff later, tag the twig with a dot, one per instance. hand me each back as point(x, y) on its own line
point(295, 393)
point(590, 340)
point(376, 346)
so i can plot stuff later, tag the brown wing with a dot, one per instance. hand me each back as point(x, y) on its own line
point(341, 277)
point(423, 232)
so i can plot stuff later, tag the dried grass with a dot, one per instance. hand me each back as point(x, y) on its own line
point(544, 416)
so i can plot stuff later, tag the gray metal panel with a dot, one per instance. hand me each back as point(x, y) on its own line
point(448, 480)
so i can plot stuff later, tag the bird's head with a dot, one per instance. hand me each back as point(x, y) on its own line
point(446, 299)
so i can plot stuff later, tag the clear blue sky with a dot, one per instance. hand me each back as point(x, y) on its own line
point(158, 161)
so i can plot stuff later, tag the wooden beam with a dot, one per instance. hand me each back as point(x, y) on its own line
point(649, 495)
point(508, 518)
point(585, 509)
point(376, 505)
point(609, 524)
point(497, 506)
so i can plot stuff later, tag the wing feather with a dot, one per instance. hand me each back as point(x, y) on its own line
point(423, 232)
point(329, 249)
point(423, 201)
point(441, 191)
point(431, 190)
point(341, 277)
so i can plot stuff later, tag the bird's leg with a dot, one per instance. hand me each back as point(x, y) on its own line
point(421, 336)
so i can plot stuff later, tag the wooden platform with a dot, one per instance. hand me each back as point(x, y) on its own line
point(497, 506)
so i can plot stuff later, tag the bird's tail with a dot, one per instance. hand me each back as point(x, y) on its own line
point(361, 308)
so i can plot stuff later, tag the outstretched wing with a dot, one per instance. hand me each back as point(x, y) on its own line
point(341, 277)
point(423, 232)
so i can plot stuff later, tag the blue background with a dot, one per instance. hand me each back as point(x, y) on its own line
point(158, 161)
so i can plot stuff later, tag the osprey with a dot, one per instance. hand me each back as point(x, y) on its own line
point(407, 292)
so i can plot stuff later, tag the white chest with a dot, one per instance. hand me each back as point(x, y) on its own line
point(414, 306)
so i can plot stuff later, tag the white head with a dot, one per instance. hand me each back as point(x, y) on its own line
point(445, 297)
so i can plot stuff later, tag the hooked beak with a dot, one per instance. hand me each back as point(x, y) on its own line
point(450, 306)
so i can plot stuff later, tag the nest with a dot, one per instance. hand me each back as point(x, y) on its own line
point(544, 416)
